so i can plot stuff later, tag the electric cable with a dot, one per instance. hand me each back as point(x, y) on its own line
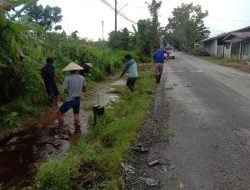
point(118, 12)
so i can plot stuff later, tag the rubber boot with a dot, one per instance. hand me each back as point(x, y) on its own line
point(156, 78)
point(159, 78)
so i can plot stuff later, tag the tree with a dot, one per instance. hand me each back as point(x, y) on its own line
point(74, 34)
point(186, 26)
point(153, 9)
point(125, 39)
point(121, 39)
point(46, 17)
point(144, 38)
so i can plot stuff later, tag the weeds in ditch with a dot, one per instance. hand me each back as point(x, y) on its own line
point(96, 161)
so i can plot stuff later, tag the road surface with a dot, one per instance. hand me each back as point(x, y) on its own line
point(207, 106)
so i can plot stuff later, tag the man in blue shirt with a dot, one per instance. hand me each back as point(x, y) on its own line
point(158, 57)
point(131, 68)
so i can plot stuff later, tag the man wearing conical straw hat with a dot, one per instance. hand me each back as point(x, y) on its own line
point(74, 85)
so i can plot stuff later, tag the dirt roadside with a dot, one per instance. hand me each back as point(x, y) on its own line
point(138, 172)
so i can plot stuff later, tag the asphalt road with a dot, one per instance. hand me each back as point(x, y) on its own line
point(210, 116)
point(207, 107)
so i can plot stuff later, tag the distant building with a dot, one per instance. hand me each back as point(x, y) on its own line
point(235, 43)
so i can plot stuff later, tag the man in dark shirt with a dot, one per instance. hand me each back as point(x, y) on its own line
point(49, 76)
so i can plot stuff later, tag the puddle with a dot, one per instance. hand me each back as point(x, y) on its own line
point(21, 153)
point(107, 95)
point(118, 82)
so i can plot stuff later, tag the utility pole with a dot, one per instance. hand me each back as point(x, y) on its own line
point(102, 30)
point(115, 15)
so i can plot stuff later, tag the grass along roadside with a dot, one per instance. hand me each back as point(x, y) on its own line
point(229, 62)
point(96, 161)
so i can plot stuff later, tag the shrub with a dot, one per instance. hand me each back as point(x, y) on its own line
point(11, 120)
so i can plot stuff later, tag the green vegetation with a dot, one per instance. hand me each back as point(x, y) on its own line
point(122, 40)
point(23, 93)
point(24, 47)
point(11, 120)
point(45, 17)
point(153, 8)
point(236, 63)
point(26, 43)
point(223, 60)
point(167, 133)
point(186, 26)
point(96, 161)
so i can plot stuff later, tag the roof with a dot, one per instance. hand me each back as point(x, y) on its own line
point(242, 35)
point(224, 35)
point(239, 36)
point(215, 37)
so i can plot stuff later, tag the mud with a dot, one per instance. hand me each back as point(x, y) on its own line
point(23, 151)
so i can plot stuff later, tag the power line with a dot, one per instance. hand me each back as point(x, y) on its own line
point(123, 7)
point(115, 15)
point(102, 30)
point(118, 12)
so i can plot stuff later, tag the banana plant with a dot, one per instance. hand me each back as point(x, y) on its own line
point(16, 7)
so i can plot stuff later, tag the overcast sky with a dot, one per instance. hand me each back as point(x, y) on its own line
point(86, 16)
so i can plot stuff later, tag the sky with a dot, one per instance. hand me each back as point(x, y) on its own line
point(95, 20)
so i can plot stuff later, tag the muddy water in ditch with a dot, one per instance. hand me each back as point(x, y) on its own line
point(21, 153)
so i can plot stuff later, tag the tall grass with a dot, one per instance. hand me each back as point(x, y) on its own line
point(96, 161)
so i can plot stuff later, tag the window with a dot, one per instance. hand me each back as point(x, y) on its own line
point(227, 46)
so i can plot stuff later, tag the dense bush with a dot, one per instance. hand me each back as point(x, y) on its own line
point(200, 52)
point(23, 53)
point(66, 49)
point(20, 76)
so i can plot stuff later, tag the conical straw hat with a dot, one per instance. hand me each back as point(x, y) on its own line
point(72, 67)
point(89, 65)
